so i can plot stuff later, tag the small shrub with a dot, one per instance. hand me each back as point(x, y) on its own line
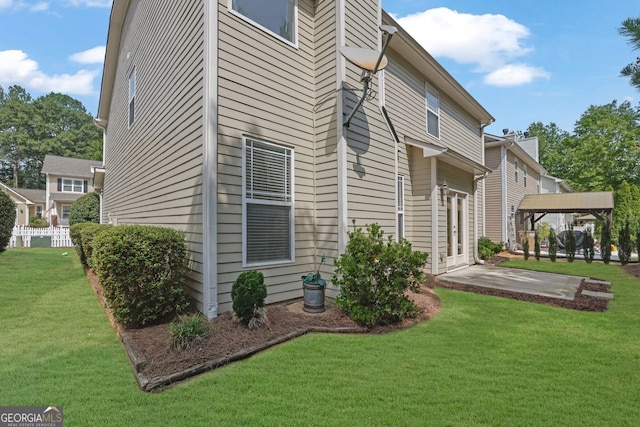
point(142, 272)
point(187, 331)
point(36, 222)
point(605, 242)
point(248, 294)
point(570, 244)
point(525, 246)
point(588, 244)
point(7, 220)
point(85, 209)
point(487, 249)
point(373, 276)
point(536, 247)
point(624, 243)
point(553, 245)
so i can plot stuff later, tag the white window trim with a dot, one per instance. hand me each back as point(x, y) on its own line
point(400, 208)
point(296, 37)
point(515, 169)
point(132, 96)
point(292, 225)
point(428, 88)
point(72, 185)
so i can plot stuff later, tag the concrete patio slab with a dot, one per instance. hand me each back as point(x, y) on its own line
point(552, 285)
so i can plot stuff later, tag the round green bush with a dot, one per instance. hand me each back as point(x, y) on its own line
point(82, 235)
point(7, 220)
point(248, 294)
point(85, 209)
point(142, 272)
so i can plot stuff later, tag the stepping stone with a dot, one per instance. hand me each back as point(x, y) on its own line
point(599, 282)
point(603, 295)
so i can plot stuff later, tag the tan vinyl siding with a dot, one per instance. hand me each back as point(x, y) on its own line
point(266, 91)
point(419, 201)
point(493, 193)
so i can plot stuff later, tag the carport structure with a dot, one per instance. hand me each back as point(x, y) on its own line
point(535, 206)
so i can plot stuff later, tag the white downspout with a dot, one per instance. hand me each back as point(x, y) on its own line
point(101, 124)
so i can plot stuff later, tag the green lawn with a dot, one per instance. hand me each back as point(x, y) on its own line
point(481, 361)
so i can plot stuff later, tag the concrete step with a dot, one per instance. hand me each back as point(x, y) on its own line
point(598, 282)
point(603, 295)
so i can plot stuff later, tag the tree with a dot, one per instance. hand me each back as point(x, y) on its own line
point(7, 220)
point(631, 30)
point(551, 142)
point(30, 129)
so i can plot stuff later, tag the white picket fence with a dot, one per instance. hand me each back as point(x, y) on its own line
point(22, 236)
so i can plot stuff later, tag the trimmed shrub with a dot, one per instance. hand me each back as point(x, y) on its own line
point(187, 331)
point(142, 272)
point(373, 276)
point(487, 249)
point(553, 245)
point(248, 294)
point(525, 247)
point(85, 209)
point(7, 220)
point(536, 245)
point(570, 244)
point(605, 242)
point(36, 222)
point(588, 244)
point(82, 236)
point(624, 243)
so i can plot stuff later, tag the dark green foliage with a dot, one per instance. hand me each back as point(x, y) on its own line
point(142, 272)
point(373, 276)
point(82, 236)
point(624, 243)
point(525, 246)
point(553, 245)
point(248, 294)
point(536, 246)
point(187, 331)
point(36, 222)
point(570, 244)
point(587, 245)
point(630, 29)
point(7, 220)
point(605, 242)
point(638, 243)
point(487, 249)
point(85, 209)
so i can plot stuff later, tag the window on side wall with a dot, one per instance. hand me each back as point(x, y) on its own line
point(132, 96)
point(400, 207)
point(279, 17)
point(524, 175)
point(433, 112)
point(515, 168)
point(268, 203)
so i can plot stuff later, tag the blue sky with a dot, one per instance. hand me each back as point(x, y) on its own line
point(524, 61)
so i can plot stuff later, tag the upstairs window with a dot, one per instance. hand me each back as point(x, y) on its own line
point(515, 168)
point(524, 175)
point(68, 185)
point(132, 96)
point(268, 205)
point(433, 112)
point(277, 17)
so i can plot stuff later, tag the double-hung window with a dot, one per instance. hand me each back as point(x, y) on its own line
point(268, 203)
point(524, 175)
point(132, 96)
point(433, 112)
point(278, 17)
point(515, 168)
point(68, 185)
point(400, 207)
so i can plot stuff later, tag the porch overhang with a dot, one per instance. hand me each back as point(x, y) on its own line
point(98, 178)
point(599, 204)
point(449, 156)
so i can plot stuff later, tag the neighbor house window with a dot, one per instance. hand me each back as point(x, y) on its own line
point(433, 112)
point(39, 209)
point(69, 185)
point(268, 200)
point(524, 175)
point(66, 209)
point(400, 207)
point(132, 96)
point(278, 17)
point(515, 168)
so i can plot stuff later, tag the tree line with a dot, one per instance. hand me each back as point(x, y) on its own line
point(55, 124)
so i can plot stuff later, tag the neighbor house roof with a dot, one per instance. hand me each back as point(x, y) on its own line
point(67, 166)
point(35, 196)
point(568, 202)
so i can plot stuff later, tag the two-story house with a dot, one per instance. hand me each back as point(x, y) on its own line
point(67, 179)
point(226, 120)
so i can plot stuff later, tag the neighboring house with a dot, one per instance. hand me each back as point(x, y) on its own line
point(515, 173)
point(67, 179)
point(28, 202)
point(227, 123)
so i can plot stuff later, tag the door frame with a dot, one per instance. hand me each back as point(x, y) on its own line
point(457, 240)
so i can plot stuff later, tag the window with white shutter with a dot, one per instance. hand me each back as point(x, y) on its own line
point(268, 200)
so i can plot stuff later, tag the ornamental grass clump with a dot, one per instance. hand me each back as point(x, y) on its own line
point(373, 276)
point(187, 331)
point(248, 294)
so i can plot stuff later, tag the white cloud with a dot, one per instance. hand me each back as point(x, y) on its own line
point(17, 68)
point(490, 42)
point(41, 6)
point(5, 4)
point(515, 75)
point(91, 56)
point(89, 3)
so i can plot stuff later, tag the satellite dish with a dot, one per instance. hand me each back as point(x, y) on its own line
point(364, 58)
